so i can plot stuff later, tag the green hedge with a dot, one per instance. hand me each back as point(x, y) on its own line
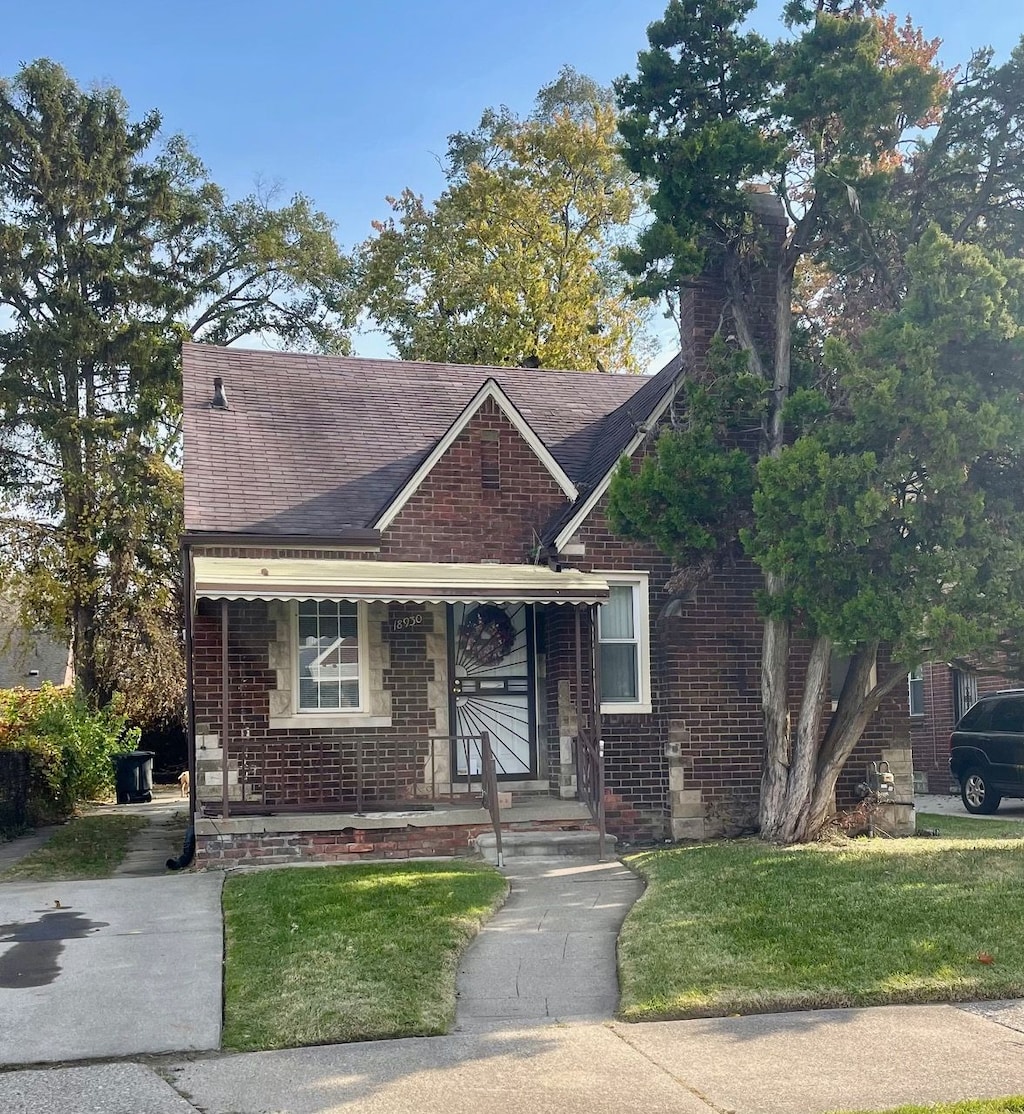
point(70, 747)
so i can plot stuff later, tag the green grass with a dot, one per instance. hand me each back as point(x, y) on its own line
point(346, 953)
point(969, 827)
point(1011, 1105)
point(745, 927)
point(85, 847)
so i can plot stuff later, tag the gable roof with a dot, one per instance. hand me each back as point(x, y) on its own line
point(622, 433)
point(316, 445)
point(490, 390)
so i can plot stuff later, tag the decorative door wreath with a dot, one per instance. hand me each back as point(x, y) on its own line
point(487, 634)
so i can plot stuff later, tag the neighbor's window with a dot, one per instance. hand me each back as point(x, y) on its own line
point(622, 632)
point(328, 638)
point(839, 667)
point(965, 692)
point(915, 683)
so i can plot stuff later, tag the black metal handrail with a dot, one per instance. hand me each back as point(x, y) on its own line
point(590, 781)
point(489, 779)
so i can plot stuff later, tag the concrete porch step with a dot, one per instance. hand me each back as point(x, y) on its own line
point(544, 845)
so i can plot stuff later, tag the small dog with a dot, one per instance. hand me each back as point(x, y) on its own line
point(183, 782)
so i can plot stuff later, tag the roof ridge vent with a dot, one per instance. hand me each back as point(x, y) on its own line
point(220, 399)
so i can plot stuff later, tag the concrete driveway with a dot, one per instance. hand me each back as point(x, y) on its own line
point(116, 967)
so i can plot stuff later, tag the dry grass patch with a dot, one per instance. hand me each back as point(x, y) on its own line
point(85, 847)
point(345, 953)
point(745, 927)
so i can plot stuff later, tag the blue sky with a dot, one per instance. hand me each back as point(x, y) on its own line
point(350, 100)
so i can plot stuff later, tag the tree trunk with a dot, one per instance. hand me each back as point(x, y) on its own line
point(784, 814)
point(857, 704)
point(775, 708)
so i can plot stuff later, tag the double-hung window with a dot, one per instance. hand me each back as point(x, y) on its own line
point(329, 648)
point(624, 641)
point(915, 685)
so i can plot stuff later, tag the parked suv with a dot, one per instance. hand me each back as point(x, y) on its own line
point(986, 751)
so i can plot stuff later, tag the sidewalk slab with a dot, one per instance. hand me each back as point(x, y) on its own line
point(553, 1069)
point(822, 1060)
point(120, 967)
point(98, 1089)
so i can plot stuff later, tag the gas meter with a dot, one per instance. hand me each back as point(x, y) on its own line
point(880, 782)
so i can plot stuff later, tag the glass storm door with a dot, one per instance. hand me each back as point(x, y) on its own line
point(490, 663)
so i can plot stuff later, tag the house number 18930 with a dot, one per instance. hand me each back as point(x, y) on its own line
point(407, 622)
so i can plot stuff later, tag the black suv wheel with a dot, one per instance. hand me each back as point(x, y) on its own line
point(977, 793)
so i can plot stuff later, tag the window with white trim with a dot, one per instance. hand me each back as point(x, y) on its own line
point(327, 633)
point(624, 641)
point(915, 688)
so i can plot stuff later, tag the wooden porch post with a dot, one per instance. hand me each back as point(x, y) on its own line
point(225, 707)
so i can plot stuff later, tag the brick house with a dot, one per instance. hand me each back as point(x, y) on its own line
point(388, 562)
point(939, 694)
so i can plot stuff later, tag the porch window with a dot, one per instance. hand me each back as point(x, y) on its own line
point(623, 637)
point(915, 684)
point(328, 656)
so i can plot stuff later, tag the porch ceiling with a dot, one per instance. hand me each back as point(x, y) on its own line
point(253, 578)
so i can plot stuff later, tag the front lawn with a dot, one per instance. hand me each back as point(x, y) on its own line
point(345, 953)
point(745, 927)
point(85, 847)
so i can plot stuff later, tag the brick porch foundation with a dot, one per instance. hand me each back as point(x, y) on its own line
point(278, 840)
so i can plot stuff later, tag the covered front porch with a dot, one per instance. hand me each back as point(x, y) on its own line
point(400, 708)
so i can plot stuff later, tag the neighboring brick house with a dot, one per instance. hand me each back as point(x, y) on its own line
point(939, 694)
point(386, 559)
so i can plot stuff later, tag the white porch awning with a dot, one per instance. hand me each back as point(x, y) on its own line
point(254, 578)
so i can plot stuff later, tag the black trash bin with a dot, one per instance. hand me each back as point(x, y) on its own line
point(133, 776)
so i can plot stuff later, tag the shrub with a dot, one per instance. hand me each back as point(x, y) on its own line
point(70, 746)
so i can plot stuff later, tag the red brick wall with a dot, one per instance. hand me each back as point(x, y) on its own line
point(348, 845)
point(312, 765)
point(452, 517)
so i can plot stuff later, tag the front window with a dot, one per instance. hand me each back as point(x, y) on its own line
point(622, 634)
point(915, 682)
point(328, 656)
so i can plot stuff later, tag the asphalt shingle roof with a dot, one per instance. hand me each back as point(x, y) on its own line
point(317, 444)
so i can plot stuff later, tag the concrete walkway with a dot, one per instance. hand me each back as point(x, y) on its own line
point(796, 1063)
point(549, 953)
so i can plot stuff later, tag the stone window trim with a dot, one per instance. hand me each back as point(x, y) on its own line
point(639, 582)
point(374, 702)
